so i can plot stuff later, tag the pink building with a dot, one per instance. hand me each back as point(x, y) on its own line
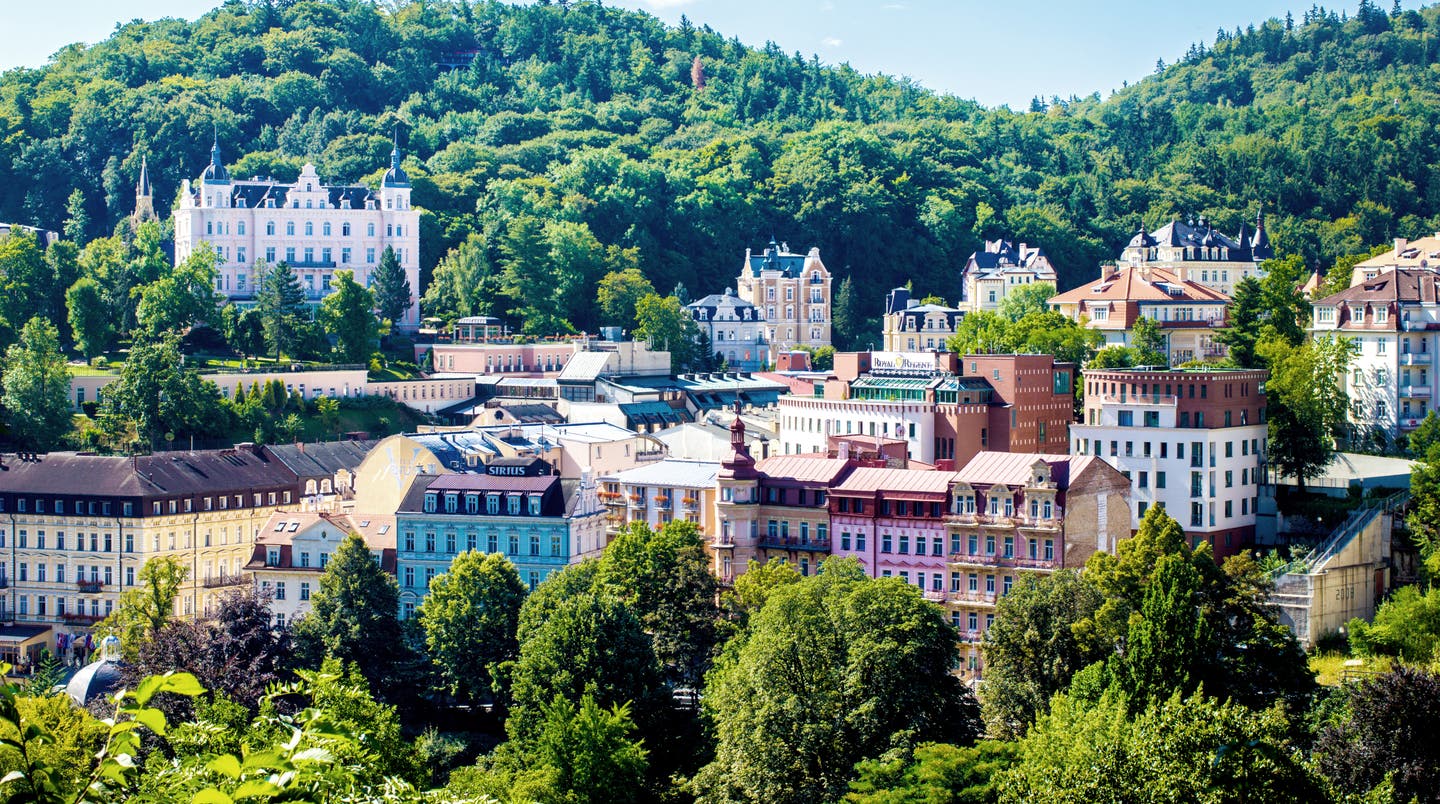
point(893, 521)
point(524, 359)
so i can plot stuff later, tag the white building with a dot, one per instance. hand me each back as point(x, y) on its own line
point(735, 328)
point(1000, 267)
point(313, 227)
point(1200, 253)
point(1393, 319)
point(293, 548)
point(1192, 441)
point(806, 423)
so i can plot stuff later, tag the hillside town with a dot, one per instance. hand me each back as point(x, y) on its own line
point(592, 423)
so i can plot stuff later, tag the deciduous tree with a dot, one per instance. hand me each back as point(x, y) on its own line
point(37, 388)
point(348, 313)
point(470, 617)
point(355, 617)
point(834, 669)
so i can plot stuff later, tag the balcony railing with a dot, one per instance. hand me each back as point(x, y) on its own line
point(90, 586)
point(974, 635)
point(218, 581)
point(1414, 358)
point(1409, 421)
point(792, 543)
point(976, 596)
point(1002, 561)
point(935, 595)
point(1415, 391)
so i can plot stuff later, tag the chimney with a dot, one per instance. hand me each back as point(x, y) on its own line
point(1400, 245)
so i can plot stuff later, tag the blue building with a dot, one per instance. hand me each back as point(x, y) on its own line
point(540, 523)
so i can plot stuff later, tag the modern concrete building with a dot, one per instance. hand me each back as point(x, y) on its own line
point(1192, 441)
point(946, 408)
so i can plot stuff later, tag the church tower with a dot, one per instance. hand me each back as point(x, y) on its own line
point(144, 196)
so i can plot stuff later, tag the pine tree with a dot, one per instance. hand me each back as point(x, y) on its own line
point(393, 294)
point(280, 302)
point(847, 314)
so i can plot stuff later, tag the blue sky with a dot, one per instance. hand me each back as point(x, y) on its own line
point(995, 52)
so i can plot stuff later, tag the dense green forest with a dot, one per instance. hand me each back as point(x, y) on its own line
point(611, 139)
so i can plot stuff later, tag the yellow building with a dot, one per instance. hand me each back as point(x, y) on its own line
point(76, 529)
point(792, 291)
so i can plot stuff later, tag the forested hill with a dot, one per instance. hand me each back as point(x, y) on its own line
point(607, 138)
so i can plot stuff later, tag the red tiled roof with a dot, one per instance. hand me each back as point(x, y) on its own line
point(1140, 285)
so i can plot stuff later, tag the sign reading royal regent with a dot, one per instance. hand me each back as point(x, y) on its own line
point(905, 361)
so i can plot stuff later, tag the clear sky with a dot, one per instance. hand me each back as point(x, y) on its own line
point(995, 51)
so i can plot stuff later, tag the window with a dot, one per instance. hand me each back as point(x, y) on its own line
point(885, 544)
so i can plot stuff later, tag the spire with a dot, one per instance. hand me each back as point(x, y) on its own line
point(215, 172)
point(740, 464)
point(142, 187)
point(1260, 244)
point(395, 177)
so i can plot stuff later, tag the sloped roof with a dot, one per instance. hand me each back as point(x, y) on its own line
point(1401, 285)
point(1006, 468)
point(1141, 284)
point(322, 459)
point(166, 473)
point(670, 472)
point(803, 468)
point(584, 367)
point(868, 480)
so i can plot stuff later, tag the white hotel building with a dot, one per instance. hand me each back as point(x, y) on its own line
point(315, 228)
point(1190, 440)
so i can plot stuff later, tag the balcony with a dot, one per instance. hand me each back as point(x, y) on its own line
point(1003, 562)
point(935, 595)
point(1414, 326)
point(1409, 422)
point(1414, 358)
point(662, 500)
point(974, 637)
point(973, 597)
point(792, 543)
point(90, 587)
point(637, 500)
point(222, 580)
point(1415, 392)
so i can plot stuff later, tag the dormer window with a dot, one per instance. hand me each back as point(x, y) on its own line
point(534, 505)
point(450, 503)
point(430, 500)
point(1382, 315)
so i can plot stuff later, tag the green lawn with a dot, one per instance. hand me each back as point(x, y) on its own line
point(1331, 668)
